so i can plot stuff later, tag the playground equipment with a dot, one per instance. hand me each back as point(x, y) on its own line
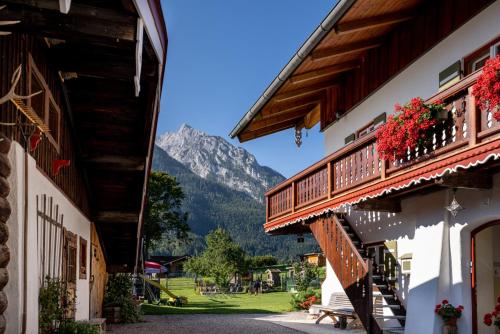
point(173, 299)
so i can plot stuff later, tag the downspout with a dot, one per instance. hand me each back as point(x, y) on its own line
point(314, 39)
point(25, 240)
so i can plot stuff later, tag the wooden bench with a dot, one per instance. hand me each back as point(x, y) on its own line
point(339, 309)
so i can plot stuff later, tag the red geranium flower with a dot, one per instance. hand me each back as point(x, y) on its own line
point(445, 301)
point(487, 89)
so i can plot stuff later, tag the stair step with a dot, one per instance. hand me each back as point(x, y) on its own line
point(393, 330)
point(381, 285)
point(398, 317)
point(388, 296)
point(396, 307)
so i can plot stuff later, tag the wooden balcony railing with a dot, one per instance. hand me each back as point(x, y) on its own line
point(358, 163)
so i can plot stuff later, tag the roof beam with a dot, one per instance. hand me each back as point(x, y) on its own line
point(372, 22)
point(324, 71)
point(244, 136)
point(308, 90)
point(345, 49)
point(466, 180)
point(117, 217)
point(53, 24)
point(277, 107)
point(116, 162)
point(294, 113)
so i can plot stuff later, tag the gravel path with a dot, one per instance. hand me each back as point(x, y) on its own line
point(202, 324)
point(290, 323)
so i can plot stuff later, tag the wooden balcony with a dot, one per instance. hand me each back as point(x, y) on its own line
point(336, 179)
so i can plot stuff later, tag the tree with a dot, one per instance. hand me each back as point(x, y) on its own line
point(164, 219)
point(303, 274)
point(221, 259)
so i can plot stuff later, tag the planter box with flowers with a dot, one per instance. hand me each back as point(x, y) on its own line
point(409, 128)
point(487, 89)
point(450, 314)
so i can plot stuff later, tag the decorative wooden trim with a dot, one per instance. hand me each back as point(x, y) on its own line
point(49, 101)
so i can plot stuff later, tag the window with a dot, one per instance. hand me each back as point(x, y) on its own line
point(83, 258)
point(370, 127)
point(44, 103)
point(478, 58)
point(71, 278)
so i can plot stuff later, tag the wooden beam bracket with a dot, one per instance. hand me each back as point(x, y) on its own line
point(467, 180)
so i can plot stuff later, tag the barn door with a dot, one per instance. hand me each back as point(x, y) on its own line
point(70, 272)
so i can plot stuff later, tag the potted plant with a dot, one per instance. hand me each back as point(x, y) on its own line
point(410, 127)
point(493, 318)
point(450, 314)
point(487, 89)
point(119, 305)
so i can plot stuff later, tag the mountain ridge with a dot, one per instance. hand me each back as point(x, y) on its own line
point(212, 157)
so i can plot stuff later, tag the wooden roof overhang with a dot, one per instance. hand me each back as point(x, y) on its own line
point(112, 83)
point(364, 43)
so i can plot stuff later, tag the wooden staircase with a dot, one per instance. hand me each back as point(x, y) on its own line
point(362, 280)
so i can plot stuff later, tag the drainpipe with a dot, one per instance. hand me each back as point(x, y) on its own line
point(25, 241)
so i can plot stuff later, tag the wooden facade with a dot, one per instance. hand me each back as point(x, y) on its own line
point(103, 106)
point(17, 49)
point(368, 46)
point(356, 173)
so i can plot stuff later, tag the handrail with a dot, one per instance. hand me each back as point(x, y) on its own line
point(358, 163)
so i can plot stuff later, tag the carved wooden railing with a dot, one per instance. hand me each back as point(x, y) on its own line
point(353, 272)
point(358, 163)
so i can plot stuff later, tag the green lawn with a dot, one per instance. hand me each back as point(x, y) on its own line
point(273, 302)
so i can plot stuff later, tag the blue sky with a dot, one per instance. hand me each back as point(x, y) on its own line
point(222, 55)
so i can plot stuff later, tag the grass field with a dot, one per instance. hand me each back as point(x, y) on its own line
point(273, 302)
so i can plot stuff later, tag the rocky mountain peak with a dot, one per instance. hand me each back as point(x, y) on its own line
point(214, 158)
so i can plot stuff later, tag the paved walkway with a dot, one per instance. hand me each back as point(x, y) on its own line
point(289, 323)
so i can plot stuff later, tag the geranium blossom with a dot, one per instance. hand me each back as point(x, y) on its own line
point(487, 89)
point(407, 129)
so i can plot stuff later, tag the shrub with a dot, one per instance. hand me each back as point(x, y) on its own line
point(303, 300)
point(50, 312)
point(77, 327)
point(119, 294)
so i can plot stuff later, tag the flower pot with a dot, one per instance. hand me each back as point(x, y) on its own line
point(112, 314)
point(450, 326)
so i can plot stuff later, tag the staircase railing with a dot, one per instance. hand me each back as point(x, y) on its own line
point(353, 272)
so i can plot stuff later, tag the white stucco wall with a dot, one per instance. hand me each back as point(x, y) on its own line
point(74, 221)
point(440, 245)
point(418, 79)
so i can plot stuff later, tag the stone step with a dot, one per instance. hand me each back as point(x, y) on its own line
point(394, 307)
point(393, 330)
point(397, 317)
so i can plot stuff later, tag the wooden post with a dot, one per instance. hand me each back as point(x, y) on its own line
point(329, 178)
point(293, 196)
point(383, 169)
point(267, 208)
point(472, 110)
point(369, 297)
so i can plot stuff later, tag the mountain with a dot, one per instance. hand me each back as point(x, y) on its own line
point(211, 203)
point(213, 158)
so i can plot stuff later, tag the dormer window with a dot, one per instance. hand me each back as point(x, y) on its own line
point(44, 103)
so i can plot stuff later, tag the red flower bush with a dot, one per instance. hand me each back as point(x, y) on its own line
point(410, 127)
point(487, 89)
point(447, 311)
point(493, 318)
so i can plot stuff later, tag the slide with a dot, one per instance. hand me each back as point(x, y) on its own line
point(182, 300)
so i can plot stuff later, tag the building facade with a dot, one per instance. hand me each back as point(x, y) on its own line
point(79, 98)
point(387, 229)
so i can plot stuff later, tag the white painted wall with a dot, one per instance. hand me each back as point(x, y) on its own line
point(74, 221)
point(440, 245)
point(418, 79)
